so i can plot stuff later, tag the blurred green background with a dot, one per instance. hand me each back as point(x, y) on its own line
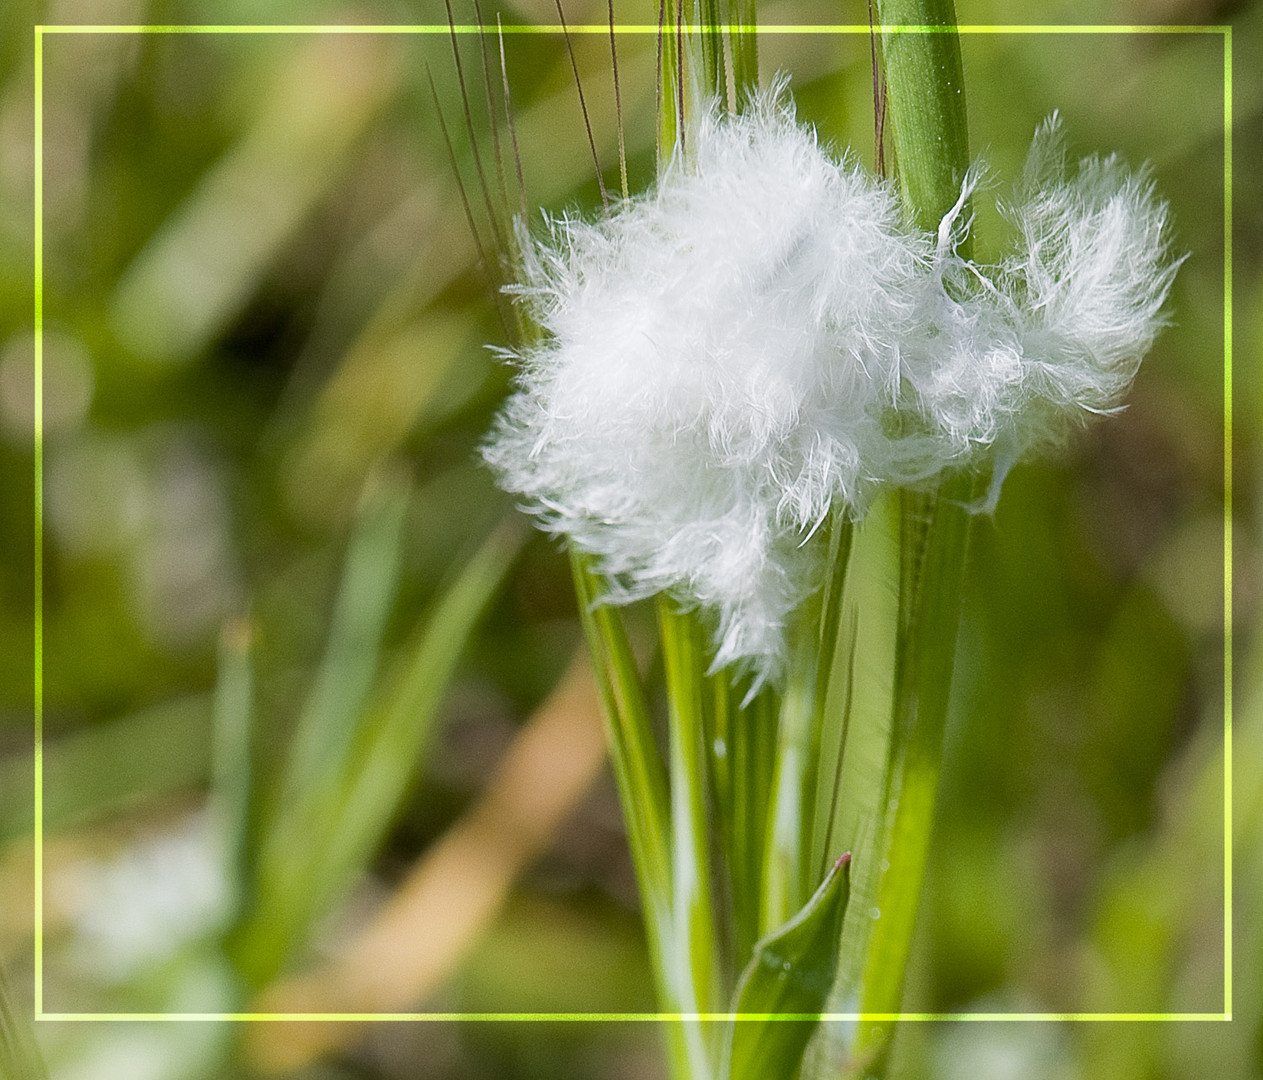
point(292, 632)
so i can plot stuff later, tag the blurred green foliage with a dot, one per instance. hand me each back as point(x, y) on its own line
point(261, 298)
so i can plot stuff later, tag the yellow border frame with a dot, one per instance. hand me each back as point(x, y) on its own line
point(39, 1014)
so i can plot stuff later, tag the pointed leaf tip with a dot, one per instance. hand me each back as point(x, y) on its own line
point(784, 988)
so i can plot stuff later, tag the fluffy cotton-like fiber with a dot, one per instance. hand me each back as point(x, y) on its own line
point(763, 337)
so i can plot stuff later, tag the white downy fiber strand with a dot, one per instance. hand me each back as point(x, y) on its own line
point(762, 336)
point(1022, 354)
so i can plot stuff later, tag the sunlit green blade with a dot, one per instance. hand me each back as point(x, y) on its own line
point(872, 588)
point(833, 704)
point(743, 47)
point(370, 574)
point(923, 676)
point(684, 656)
point(637, 765)
point(753, 754)
point(300, 882)
point(714, 70)
point(841, 534)
point(790, 874)
point(790, 976)
point(720, 718)
point(642, 787)
point(284, 898)
point(671, 101)
point(926, 101)
point(399, 726)
point(789, 814)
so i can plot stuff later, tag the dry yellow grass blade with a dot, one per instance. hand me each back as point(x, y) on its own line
point(421, 934)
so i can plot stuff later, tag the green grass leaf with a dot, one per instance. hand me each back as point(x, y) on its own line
point(790, 976)
point(694, 948)
point(791, 873)
point(308, 862)
point(370, 575)
point(637, 765)
point(643, 792)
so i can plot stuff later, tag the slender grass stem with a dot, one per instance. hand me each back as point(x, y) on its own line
point(643, 792)
point(583, 105)
point(710, 18)
point(925, 101)
point(790, 870)
point(751, 753)
point(618, 104)
point(934, 562)
point(473, 138)
point(789, 815)
point(695, 951)
point(743, 45)
point(511, 124)
point(493, 119)
point(925, 98)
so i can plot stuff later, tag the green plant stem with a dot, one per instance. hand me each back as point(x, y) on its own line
point(793, 783)
point(694, 951)
point(671, 98)
point(791, 869)
point(711, 15)
point(936, 539)
point(752, 752)
point(743, 45)
point(925, 94)
point(643, 792)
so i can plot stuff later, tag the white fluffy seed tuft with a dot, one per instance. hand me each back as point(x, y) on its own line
point(762, 337)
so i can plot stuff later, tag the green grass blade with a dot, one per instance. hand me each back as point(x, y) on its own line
point(833, 713)
point(721, 719)
point(323, 736)
point(791, 874)
point(399, 725)
point(872, 591)
point(790, 975)
point(684, 656)
point(926, 99)
point(714, 69)
point(744, 47)
point(671, 97)
point(300, 881)
point(925, 93)
point(934, 572)
point(643, 792)
point(637, 765)
point(789, 813)
point(282, 892)
point(841, 536)
point(747, 763)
